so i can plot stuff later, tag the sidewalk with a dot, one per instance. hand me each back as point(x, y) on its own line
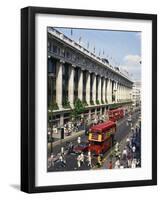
point(68, 138)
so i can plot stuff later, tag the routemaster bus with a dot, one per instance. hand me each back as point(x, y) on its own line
point(116, 114)
point(101, 137)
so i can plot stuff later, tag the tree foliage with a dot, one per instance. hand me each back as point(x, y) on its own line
point(78, 109)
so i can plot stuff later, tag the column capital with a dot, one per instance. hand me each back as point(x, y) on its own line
point(73, 65)
point(62, 61)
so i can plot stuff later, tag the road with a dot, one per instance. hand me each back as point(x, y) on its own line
point(71, 159)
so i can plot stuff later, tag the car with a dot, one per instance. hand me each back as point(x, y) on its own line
point(83, 147)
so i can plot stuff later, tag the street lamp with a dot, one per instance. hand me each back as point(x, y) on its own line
point(50, 141)
point(61, 135)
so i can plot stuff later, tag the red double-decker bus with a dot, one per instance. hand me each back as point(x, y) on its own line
point(101, 137)
point(116, 114)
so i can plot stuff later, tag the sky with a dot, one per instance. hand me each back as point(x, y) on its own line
point(121, 48)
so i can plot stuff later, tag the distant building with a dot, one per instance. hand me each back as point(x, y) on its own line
point(136, 93)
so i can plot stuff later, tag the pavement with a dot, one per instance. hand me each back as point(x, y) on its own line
point(68, 138)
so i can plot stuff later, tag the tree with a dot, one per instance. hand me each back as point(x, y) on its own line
point(78, 109)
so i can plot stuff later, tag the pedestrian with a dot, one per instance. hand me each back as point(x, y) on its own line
point(117, 164)
point(118, 154)
point(117, 147)
point(89, 159)
point(95, 121)
point(137, 163)
point(133, 163)
point(132, 130)
point(127, 141)
point(79, 161)
point(99, 161)
point(62, 150)
point(82, 158)
point(124, 154)
point(133, 150)
point(62, 160)
point(71, 146)
point(110, 165)
point(128, 163)
point(79, 140)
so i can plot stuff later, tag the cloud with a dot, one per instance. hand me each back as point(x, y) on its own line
point(132, 66)
point(132, 59)
point(132, 72)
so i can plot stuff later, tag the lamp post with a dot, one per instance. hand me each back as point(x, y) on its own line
point(61, 135)
point(50, 132)
point(50, 141)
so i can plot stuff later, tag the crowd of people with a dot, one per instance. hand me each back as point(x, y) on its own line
point(129, 155)
point(123, 155)
point(81, 124)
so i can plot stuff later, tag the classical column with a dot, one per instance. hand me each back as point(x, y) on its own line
point(124, 93)
point(71, 86)
point(89, 115)
point(94, 89)
point(109, 91)
point(104, 90)
point(106, 85)
point(88, 88)
point(118, 92)
point(80, 85)
point(115, 85)
point(59, 85)
point(99, 89)
point(105, 110)
point(61, 119)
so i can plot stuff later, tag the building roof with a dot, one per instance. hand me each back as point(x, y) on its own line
point(85, 51)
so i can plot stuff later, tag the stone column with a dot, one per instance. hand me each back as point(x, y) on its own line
point(71, 86)
point(118, 92)
point(88, 88)
point(94, 89)
point(115, 91)
point(109, 91)
point(106, 94)
point(89, 115)
point(124, 93)
point(80, 85)
point(61, 119)
point(126, 89)
point(104, 90)
point(99, 89)
point(59, 85)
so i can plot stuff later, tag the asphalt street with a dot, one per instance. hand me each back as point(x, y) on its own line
point(71, 159)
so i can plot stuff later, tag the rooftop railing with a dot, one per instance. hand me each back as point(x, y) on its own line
point(71, 42)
